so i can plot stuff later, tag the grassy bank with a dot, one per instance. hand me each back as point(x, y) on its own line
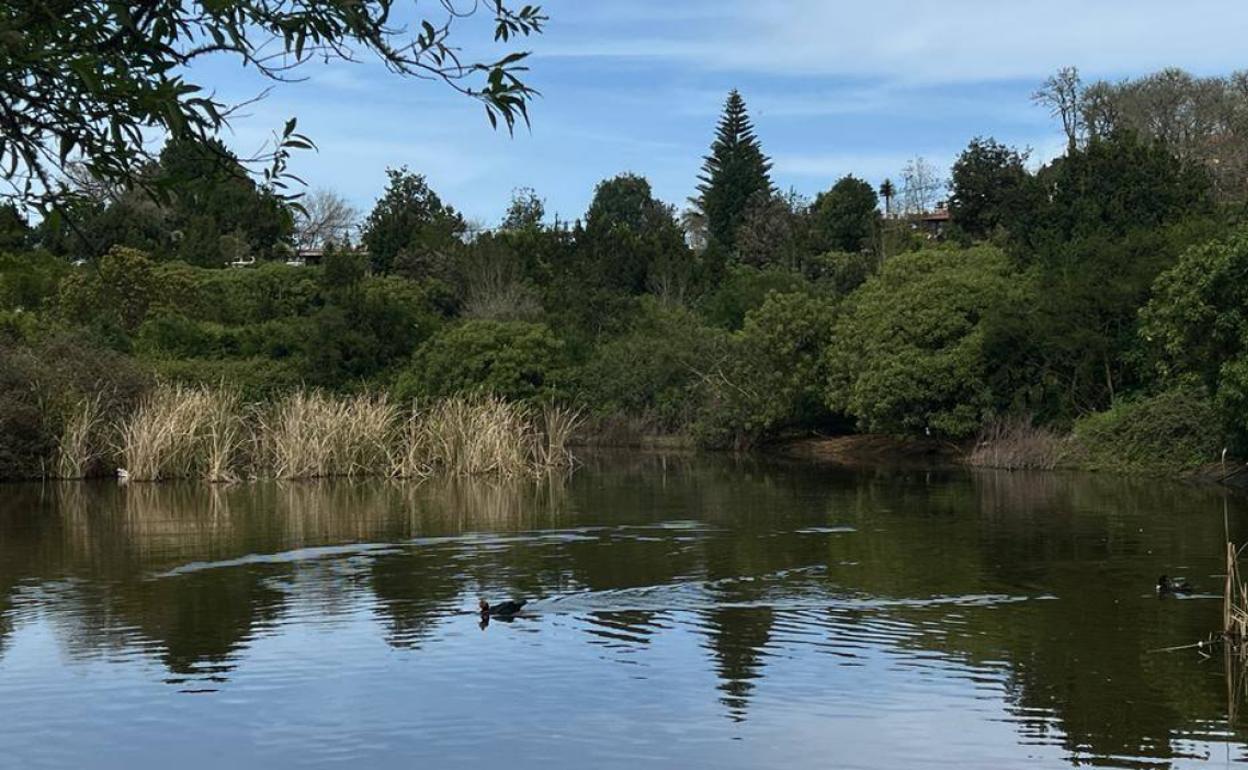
point(213, 434)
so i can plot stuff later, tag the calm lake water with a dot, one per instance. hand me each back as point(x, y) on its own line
point(688, 612)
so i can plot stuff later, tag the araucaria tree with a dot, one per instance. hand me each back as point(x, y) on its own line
point(735, 170)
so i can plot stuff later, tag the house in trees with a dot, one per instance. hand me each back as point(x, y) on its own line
point(934, 223)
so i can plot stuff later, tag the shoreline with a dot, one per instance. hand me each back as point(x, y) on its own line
point(860, 450)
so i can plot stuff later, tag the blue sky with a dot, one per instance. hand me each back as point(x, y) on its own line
point(637, 85)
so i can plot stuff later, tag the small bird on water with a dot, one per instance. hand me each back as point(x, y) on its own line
point(1168, 586)
point(502, 610)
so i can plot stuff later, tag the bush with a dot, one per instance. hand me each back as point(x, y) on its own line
point(654, 371)
point(773, 378)
point(1177, 429)
point(28, 281)
point(233, 297)
point(255, 379)
point(842, 272)
point(513, 360)
point(909, 356)
point(116, 293)
point(744, 289)
point(42, 384)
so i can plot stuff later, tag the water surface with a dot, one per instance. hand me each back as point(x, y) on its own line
point(686, 613)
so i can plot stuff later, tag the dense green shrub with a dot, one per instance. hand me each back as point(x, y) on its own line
point(515, 360)
point(114, 293)
point(653, 372)
point(745, 288)
point(255, 379)
point(910, 355)
point(774, 374)
point(840, 272)
point(29, 280)
point(42, 382)
point(1174, 430)
point(1196, 324)
point(265, 292)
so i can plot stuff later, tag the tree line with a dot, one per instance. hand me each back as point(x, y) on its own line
point(1090, 295)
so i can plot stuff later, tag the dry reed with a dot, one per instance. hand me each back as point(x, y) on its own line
point(1235, 603)
point(207, 433)
point(180, 432)
point(80, 446)
point(1014, 443)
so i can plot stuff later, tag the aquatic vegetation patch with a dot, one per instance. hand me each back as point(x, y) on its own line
point(211, 433)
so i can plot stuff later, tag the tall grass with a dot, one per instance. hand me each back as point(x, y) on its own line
point(210, 433)
point(81, 446)
point(1015, 443)
point(181, 432)
point(1235, 603)
point(314, 435)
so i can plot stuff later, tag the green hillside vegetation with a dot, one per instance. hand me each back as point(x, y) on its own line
point(1100, 298)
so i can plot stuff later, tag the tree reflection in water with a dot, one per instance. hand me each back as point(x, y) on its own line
point(764, 562)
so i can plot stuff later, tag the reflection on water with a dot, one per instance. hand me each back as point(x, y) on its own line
point(685, 612)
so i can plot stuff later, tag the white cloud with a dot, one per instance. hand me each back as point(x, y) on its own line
point(918, 41)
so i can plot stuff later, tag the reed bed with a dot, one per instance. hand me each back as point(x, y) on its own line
point(1235, 603)
point(180, 432)
point(81, 445)
point(1014, 443)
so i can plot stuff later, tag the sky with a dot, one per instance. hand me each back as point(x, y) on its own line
point(834, 88)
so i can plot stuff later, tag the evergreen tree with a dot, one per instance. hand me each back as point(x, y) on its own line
point(989, 179)
point(845, 218)
point(735, 170)
point(410, 229)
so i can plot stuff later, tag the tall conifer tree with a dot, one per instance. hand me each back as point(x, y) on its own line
point(735, 170)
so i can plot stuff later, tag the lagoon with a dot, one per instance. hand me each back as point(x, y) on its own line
point(686, 611)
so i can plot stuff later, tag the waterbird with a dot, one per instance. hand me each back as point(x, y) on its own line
point(1168, 586)
point(504, 610)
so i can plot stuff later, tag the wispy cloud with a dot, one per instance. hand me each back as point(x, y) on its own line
point(921, 42)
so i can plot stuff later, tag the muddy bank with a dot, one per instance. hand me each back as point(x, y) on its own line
point(872, 449)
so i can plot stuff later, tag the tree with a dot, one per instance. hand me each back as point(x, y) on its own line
point(910, 356)
point(731, 175)
point(526, 211)
point(215, 197)
point(987, 187)
point(845, 217)
point(1062, 94)
point(1109, 187)
point(92, 81)
point(1195, 321)
point(774, 231)
point(410, 228)
point(921, 186)
point(627, 232)
point(326, 218)
point(888, 192)
point(1200, 119)
point(514, 360)
point(774, 373)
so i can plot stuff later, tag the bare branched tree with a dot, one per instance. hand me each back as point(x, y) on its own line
point(326, 218)
point(1062, 94)
point(922, 187)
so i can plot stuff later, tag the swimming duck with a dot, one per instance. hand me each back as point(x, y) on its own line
point(503, 610)
point(1168, 586)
